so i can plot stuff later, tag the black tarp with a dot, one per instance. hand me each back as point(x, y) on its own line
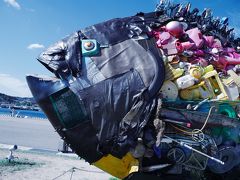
point(100, 104)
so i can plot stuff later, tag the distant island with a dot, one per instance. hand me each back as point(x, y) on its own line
point(12, 102)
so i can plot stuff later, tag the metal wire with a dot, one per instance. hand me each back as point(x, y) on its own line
point(196, 131)
point(197, 134)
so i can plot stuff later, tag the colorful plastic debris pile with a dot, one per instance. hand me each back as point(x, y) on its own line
point(198, 65)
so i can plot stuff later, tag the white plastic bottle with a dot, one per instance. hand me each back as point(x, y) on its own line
point(185, 81)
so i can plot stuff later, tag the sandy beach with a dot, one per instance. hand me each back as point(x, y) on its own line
point(39, 159)
point(47, 166)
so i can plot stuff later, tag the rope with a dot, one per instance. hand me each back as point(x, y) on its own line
point(197, 134)
point(195, 131)
point(206, 121)
point(158, 123)
point(72, 170)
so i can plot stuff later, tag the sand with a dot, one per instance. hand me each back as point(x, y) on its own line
point(47, 166)
point(38, 134)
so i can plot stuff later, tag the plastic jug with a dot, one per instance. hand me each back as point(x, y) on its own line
point(232, 91)
point(185, 81)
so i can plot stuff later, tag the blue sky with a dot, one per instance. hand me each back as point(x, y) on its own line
point(29, 26)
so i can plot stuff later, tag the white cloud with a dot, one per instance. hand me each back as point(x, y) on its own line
point(13, 3)
point(35, 46)
point(13, 86)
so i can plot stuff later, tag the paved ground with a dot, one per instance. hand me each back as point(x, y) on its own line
point(36, 133)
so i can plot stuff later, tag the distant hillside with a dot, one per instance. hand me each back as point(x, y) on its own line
point(18, 101)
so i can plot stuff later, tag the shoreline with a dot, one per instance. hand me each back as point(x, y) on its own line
point(17, 117)
point(22, 113)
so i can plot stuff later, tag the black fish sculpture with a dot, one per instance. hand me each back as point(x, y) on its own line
point(152, 95)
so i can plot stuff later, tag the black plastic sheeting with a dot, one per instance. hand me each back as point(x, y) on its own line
point(113, 60)
point(64, 58)
point(120, 29)
point(100, 104)
point(93, 120)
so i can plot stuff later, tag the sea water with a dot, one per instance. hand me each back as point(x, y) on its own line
point(22, 113)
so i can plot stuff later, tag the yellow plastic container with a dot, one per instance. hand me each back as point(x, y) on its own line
point(119, 168)
point(172, 73)
point(216, 83)
point(209, 68)
point(190, 94)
